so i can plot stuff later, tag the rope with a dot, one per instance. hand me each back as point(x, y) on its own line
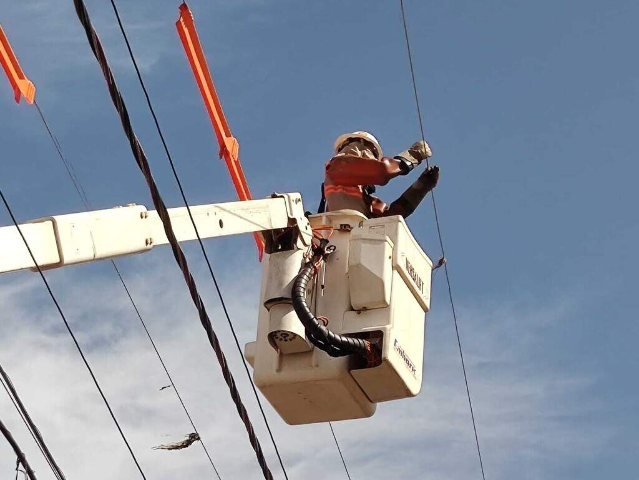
point(16, 448)
point(26, 418)
point(206, 258)
point(75, 341)
point(85, 200)
point(180, 258)
point(441, 244)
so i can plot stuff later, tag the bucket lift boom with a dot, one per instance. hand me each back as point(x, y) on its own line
point(62, 240)
point(373, 288)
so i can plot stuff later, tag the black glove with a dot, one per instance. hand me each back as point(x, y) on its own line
point(430, 177)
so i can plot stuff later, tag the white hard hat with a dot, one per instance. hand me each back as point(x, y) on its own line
point(343, 139)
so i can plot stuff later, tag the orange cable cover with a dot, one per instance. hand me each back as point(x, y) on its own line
point(22, 86)
point(229, 146)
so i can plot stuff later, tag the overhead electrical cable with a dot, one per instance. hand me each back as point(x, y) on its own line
point(206, 258)
point(316, 288)
point(339, 450)
point(29, 430)
point(22, 459)
point(26, 418)
point(166, 370)
point(441, 242)
point(67, 165)
point(180, 258)
point(68, 327)
point(85, 200)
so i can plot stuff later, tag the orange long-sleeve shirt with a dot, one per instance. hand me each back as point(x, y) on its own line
point(347, 175)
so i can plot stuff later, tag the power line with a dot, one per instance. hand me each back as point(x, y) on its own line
point(330, 424)
point(22, 459)
point(166, 370)
point(180, 258)
point(441, 243)
point(208, 262)
point(67, 165)
point(339, 450)
point(26, 418)
point(85, 200)
point(68, 327)
point(27, 425)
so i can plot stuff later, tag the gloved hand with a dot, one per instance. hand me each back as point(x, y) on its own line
point(417, 153)
point(430, 177)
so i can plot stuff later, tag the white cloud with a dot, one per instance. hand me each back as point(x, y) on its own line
point(521, 415)
point(50, 41)
point(41, 30)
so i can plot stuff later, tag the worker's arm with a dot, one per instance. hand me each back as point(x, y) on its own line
point(411, 198)
point(353, 170)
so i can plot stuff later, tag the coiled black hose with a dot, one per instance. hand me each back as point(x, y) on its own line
point(320, 336)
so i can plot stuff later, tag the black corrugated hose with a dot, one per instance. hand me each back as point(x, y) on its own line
point(332, 343)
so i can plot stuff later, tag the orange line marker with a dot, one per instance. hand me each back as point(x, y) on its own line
point(229, 146)
point(20, 83)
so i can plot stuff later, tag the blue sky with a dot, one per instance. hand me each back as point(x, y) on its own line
point(530, 108)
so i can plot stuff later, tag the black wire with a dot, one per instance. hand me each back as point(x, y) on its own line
point(31, 427)
point(178, 254)
point(339, 450)
point(313, 295)
point(68, 327)
point(83, 196)
point(314, 305)
point(67, 165)
point(412, 73)
point(27, 425)
point(18, 471)
point(441, 244)
point(22, 459)
point(208, 262)
point(177, 393)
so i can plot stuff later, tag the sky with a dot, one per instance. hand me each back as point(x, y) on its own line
point(530, 109)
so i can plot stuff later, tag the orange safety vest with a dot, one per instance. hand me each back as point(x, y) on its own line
point(346, 178)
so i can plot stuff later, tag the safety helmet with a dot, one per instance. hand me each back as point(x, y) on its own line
point(344, 138)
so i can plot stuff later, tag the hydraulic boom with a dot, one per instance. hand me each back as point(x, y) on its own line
point(62, 240)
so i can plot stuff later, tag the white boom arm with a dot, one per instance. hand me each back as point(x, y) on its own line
point(63, 240)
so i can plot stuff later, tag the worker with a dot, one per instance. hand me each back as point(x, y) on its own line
point(359, 165)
